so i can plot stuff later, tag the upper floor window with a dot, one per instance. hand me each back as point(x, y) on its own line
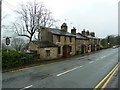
point(78, 42)
point(65, 38)
point(70, 39)
point(58, 38)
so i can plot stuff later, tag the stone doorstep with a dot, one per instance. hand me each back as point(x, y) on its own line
point(47, 62)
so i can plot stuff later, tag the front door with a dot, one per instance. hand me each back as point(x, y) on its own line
point(66, 51)
point(82, 49)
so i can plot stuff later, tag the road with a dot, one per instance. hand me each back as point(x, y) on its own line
point(78, 72)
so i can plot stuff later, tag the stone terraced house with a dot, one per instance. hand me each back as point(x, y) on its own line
point(93, 42)
point(56, 43)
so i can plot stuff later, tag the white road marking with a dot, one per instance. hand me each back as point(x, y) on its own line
point(91, 61)
point(103, 57)
point(26, 87)
point(68, 71)
point(81, 57)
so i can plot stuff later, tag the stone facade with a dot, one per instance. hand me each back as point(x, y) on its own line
point(48, 53)
point(65, 40)
point(45, 53)
point(65, 44)
point(32, 46)
point(61, 38)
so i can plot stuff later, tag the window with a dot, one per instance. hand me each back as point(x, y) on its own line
point(88, 47)
point(70, 47)
point(58, 38)
point(78, 41)
point(47, 52)
point(59, 50)
point(65, 38)
point(70, 39)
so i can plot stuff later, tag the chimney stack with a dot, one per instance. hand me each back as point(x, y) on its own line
point(83, 32)
point(64, 27)
point(87, 33)
point(73, 31)
point(92, 34)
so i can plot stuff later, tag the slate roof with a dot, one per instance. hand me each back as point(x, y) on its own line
point(91, 37)
point(78, 36)
point(43, 44)
point(59, 32)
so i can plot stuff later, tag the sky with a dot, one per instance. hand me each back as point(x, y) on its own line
point(99, 16)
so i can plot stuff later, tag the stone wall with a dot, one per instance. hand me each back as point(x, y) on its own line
point(46, 36)
point(78, 45)
point(43, 53)
point(65, 40)
point(32, 46)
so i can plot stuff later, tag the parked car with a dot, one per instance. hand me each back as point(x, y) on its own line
point(116, 46)
point(31, 51)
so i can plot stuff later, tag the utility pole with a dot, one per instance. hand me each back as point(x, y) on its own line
point(0, 47)
point(0, 22)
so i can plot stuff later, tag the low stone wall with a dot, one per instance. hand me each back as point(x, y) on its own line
point(48, 53)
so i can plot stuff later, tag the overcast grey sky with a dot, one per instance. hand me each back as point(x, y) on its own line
point(99, 16)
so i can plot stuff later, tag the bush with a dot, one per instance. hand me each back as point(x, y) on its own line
point(13, 58)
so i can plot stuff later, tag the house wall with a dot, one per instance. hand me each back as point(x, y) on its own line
point(46, 36)
point(32, 46)
point(64, 42)
point(78, 46)
point(43, 53)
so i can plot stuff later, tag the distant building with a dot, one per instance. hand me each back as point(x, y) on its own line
point(93, 42)
point(80, 41)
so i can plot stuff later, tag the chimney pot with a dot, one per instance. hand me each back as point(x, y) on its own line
point(83, 32)
point(73, 31)
point(64, 27)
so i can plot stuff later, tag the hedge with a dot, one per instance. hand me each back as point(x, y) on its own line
point(13, 58)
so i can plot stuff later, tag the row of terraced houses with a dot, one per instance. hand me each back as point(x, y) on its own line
point(56, 43)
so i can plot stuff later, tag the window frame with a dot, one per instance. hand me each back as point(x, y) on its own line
point(59, 50)
point(58, 38)
point(70, 39)
point(70, 48)
point(47, 52)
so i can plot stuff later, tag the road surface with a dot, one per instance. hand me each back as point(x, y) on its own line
point(78, 72)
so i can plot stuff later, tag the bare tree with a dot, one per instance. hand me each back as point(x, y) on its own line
point(32, 16)
point(18, 44)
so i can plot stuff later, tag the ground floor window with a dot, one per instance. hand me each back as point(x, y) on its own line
point(70, 47)
point(59, 50)
point(47, 52)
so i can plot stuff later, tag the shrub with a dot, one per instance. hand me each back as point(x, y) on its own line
point(13, 58)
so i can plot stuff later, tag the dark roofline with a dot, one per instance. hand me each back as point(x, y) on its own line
point(82, 35)
point(63, 32)
point(78, 36)
point(63, 35)
point(89, 37)
point(44, 44)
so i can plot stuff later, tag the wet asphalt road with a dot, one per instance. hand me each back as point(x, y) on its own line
point(79, 72)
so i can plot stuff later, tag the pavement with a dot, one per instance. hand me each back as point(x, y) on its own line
point(78, 72)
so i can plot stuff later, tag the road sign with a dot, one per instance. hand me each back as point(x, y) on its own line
point(7, 41)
